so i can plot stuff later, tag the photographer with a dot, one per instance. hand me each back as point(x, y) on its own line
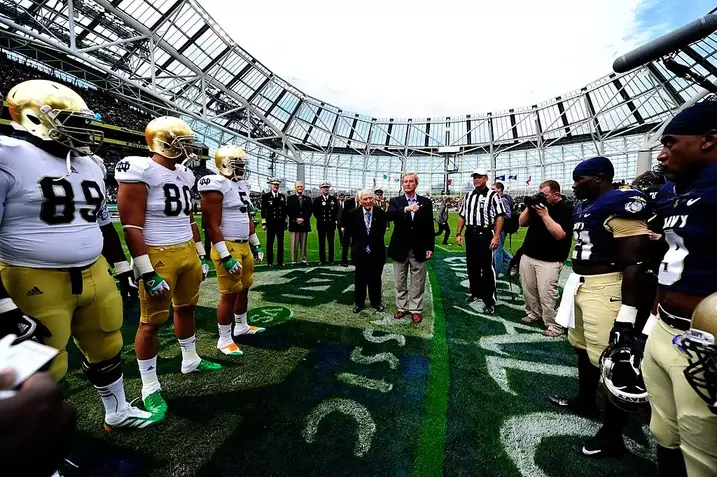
point(549, 219)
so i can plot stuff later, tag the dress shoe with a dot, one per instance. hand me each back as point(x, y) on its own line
point(400, 314)
point(416, 318)
point(380, 308)
point(357, 309)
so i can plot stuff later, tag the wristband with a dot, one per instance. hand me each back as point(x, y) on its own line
point(200, 249)
point(254, 240)
point(143, 264)
point(650, 324)
point(6, 304)
point(221, 248)
point(627, 314)
point(122, 267)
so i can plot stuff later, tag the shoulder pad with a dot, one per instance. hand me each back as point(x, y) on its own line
point(212, 183)
point(9, 149)
point(133, 169)
point(630, 204)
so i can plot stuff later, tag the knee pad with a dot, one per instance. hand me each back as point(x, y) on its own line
point(103, 373)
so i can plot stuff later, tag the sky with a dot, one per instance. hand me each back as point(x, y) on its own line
point(433, 58)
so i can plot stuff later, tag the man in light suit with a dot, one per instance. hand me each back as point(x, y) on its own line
point(365, 231)
point(412, 243)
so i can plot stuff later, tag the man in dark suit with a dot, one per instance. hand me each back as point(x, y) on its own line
point(365, 231)
point(412, 243)
point(273, 222)
point(326, 211)
point(348, 206)
point(299, 210)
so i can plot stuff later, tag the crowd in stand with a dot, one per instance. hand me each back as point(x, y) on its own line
point(110, 110)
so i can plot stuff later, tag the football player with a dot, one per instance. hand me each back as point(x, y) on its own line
point(51, 199)
point(684, 425)
point(610, 274)
point(225, 211)
point(155, 207)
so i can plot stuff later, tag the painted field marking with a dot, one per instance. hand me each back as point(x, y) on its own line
point(364, 382)
point(497, 369)
point(365, 426)
point(390, 358)
point(447, 250)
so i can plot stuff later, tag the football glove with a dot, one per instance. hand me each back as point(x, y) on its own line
point(621, 333)
point(25, 327)
point(231, 265)
point(128, 287)
point(154, 283)
point(258, 254)
point(638, 348)
point(205, 268)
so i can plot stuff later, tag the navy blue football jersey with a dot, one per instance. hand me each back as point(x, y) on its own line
point(593, 242)
point(689, 225)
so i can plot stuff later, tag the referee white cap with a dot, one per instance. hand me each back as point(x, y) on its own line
point(479, 172)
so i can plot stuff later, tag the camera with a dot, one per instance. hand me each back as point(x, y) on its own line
point(536, 199)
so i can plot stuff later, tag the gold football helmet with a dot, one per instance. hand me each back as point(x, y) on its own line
point(700, 344)
point(172, 138)
point(54, 112)
point(231, 162)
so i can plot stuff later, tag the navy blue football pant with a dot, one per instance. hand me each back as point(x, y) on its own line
point(479, 260)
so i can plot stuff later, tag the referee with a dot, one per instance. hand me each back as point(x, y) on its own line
point(482, 214)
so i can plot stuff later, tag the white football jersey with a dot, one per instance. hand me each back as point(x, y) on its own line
point(235, 205)
point(169, 198)
point(49, 220)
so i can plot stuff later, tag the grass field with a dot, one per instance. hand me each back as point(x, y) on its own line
point(327, 392)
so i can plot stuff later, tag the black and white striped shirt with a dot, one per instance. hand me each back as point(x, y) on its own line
point(481, 208)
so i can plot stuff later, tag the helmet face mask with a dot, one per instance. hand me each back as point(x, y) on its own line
point(701, 373)
point(621, 379)
point(54, 112)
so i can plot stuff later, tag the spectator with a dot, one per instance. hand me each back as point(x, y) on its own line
point(545, 249)
point(501, 254)
point(442, 219)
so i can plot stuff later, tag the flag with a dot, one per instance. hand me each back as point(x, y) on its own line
point(530, 178)
point(374, 182)
point(385, 177)
point(450, 181)
point(500, 178)
point(513, 177)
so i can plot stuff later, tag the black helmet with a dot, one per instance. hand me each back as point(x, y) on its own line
point(621, 379)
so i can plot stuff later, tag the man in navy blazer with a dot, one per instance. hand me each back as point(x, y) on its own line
point(365, 231)
point(412, 243)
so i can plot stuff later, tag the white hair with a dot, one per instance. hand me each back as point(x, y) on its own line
point(362, 193)
point(298, 184)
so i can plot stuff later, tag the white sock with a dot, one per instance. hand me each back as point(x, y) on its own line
point(225, 335)
point(189, 350)
point(148, 372)
point(113, 397)
point(240, 324)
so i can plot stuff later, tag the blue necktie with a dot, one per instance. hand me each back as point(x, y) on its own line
point(368, 230)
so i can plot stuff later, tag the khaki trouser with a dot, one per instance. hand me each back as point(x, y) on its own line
point(540, 288)
point(298, 239)
point(410, 297)
point(597, 303)
point(680, 418)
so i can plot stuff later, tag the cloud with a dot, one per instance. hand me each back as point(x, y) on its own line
point(422, 58)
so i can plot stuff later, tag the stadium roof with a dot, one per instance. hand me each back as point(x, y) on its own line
point(171, 56)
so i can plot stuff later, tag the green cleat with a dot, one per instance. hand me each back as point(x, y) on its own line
point(155, 403)
point(205, 365)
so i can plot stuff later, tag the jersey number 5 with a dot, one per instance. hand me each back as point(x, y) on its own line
point(58, 205)
point(173, 205)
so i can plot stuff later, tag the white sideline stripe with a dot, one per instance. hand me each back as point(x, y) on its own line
point(444, 249)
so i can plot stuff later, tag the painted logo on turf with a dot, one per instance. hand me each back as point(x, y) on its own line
point(269, 315)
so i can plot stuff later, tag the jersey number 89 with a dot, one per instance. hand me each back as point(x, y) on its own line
point(59, 207)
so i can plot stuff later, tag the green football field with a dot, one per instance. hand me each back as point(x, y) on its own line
point(327, 392)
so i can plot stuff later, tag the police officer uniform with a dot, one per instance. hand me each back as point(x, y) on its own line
point(273, 219)
point(326, 211)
